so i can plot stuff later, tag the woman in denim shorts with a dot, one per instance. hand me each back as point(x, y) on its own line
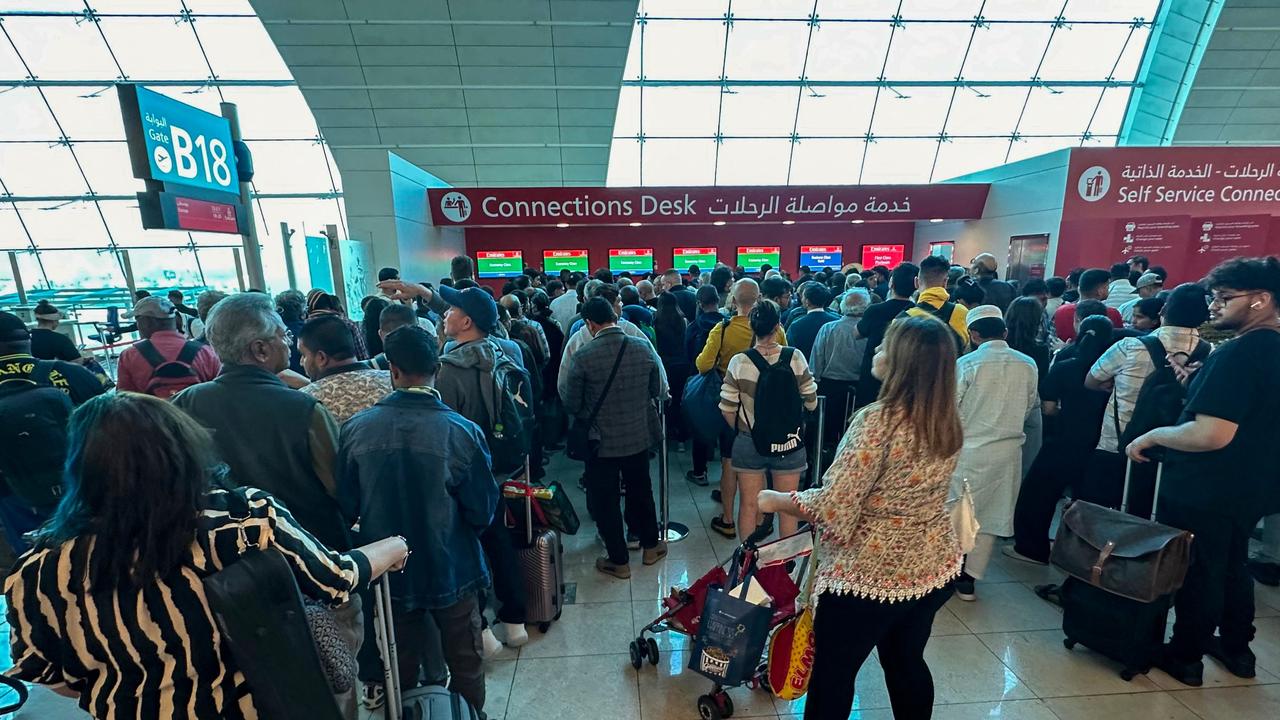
point(737, 403)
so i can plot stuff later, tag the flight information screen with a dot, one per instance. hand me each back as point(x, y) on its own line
point(633, 260)
point(499, 263)
point(553, 261)
point(752, 258)
point(890, 256)
point(818, 257)
point(683, 258)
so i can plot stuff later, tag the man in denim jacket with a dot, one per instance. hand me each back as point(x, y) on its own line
point(410, 466)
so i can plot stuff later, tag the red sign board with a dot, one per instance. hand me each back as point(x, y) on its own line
point(681, 252)
point(498, 254)
point(206, 216)
point(698, 205)
point(1162, 240)
point(1215, 239)
point(888, 255)
point(564, 253)
point(631, 252)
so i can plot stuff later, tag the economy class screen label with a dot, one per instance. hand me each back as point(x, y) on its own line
point(630, 260)
point(753, 258)
point(686, 257)
point(499, 263)
point(553, 261)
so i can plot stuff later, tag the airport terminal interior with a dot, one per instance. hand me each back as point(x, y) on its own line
point(160, 157)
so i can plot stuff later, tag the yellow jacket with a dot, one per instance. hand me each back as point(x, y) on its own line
point(727, 341)
point(936, 297)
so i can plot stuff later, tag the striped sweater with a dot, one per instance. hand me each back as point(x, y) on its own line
point(156, 652)
point(738, 393)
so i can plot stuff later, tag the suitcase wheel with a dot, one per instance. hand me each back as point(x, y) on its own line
point(1068, 643)
point(715, 707)
point(544, 627)
point(637, 657)
point(1128, 674)
point(559, 612)
point(652, 646)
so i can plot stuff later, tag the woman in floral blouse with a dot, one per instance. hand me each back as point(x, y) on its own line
point(887, 554)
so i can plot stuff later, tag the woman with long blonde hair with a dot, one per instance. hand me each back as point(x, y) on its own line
point(887, 554)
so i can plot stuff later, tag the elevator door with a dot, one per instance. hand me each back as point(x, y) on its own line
point(1027, 257)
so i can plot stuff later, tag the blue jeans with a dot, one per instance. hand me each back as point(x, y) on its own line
point(19, 519)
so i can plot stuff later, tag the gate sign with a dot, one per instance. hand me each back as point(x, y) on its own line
point(176, 143)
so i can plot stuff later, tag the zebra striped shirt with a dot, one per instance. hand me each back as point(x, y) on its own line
point(156, 652)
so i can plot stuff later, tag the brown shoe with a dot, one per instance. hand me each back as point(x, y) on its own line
point(655, 553)
point(622, 572)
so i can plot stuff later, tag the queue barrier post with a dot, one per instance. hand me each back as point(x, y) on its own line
point(671, 532)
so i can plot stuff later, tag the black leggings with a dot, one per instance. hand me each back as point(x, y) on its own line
point(846, 628)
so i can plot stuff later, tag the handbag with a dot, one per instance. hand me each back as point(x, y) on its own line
point(552, 507)
point(791, 649)
point(731, 636)
point(1121, 553)
point(700, 401)
point(579, 445)
point(964, 519)
point(259, 610)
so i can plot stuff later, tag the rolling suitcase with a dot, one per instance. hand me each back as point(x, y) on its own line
point(542, 567)
point(430, 702)
point(1120, 621)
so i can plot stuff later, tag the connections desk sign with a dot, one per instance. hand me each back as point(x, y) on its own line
point(187, 157)
point(700, 205)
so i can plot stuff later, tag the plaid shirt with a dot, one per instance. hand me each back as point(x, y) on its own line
point(627, 423)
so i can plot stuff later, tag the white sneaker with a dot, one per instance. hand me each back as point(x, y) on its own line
point(490, 645)
point(515, 634)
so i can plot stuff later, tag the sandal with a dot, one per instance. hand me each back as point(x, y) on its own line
point(726, 529)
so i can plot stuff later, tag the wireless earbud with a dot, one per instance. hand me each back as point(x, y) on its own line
point(1256, 304)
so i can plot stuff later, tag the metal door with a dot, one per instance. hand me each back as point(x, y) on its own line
point(1027, 257)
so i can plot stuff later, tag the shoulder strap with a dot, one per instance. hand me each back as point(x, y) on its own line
point(608, 384)
point(149, 353)
point(758, 360)
point(724, 327)
point(190, 349)
point(945, 311)
point(1155, 348)
point(1201, 351)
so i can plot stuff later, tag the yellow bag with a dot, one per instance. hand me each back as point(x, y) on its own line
point(791, 656)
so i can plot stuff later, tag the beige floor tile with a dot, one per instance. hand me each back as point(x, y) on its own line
point(594, 586)
point(670, 692)
point(1007, 710)
point(1006, 607)
point(584, 629)
point(1261, 702)
point(946, 623)
point(1148, 706)
point(644, 612)
point(870, 695)
point(1266, 645)
point(498, 679)
point(676, 570)
point(574, 687)
point(1041, 661)
point(1026, 572)
point(964, 671)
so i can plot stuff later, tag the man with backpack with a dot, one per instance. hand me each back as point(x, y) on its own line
point(1220, 475)
point(612, 386)
point(1144, 391)
point(36, 399)
point(484, 382)
point(164, 362)
point(936, 301)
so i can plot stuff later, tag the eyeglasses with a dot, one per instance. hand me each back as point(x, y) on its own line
point(1224, 299)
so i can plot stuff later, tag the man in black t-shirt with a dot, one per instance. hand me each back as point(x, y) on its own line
point(1220, 470)
point(875, 322)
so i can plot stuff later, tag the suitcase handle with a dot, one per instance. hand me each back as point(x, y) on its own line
point(1128, 475)
point(384, 630)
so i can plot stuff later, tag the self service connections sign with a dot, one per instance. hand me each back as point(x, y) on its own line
point(176, 143)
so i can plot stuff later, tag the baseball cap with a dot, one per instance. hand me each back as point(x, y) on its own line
point(1149, 279)
point(154, 307)
point(12, 329)
point(476, 303)
point(983, 312)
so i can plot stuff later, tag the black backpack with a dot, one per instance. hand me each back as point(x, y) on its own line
point(1161, 398)
point(508, 425)
point(33, 438)
point(779, 427)
point(170, 377)
point(943, 313)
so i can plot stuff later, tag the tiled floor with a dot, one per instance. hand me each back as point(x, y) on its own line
point(1001, 657)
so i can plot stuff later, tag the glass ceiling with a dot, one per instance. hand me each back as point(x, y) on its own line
point(66, 188)
point(868, 91)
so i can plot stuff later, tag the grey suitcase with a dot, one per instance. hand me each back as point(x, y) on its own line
point(542, 567)
point(430, 702)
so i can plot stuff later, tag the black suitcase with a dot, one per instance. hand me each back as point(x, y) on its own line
point(1125, 630)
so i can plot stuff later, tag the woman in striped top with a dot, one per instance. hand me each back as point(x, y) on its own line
point(109, 606)
point(738, 405)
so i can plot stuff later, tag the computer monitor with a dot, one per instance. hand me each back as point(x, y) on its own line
point(632, 260)
point(819, 257)
point(752, 258)
point(499, 263)
point(890, 256)
point(683, 258)
point(553, 261)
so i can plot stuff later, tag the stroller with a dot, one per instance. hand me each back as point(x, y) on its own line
point(748, 615)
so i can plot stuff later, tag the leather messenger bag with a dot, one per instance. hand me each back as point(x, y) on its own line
point(1123, 554)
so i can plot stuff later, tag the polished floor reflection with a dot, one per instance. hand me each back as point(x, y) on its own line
point(1000, 657)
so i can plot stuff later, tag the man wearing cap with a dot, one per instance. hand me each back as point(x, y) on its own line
point(997, 291)
point(1149, 285)
point(999, 408)
point(161, 344)
point(464, 381)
